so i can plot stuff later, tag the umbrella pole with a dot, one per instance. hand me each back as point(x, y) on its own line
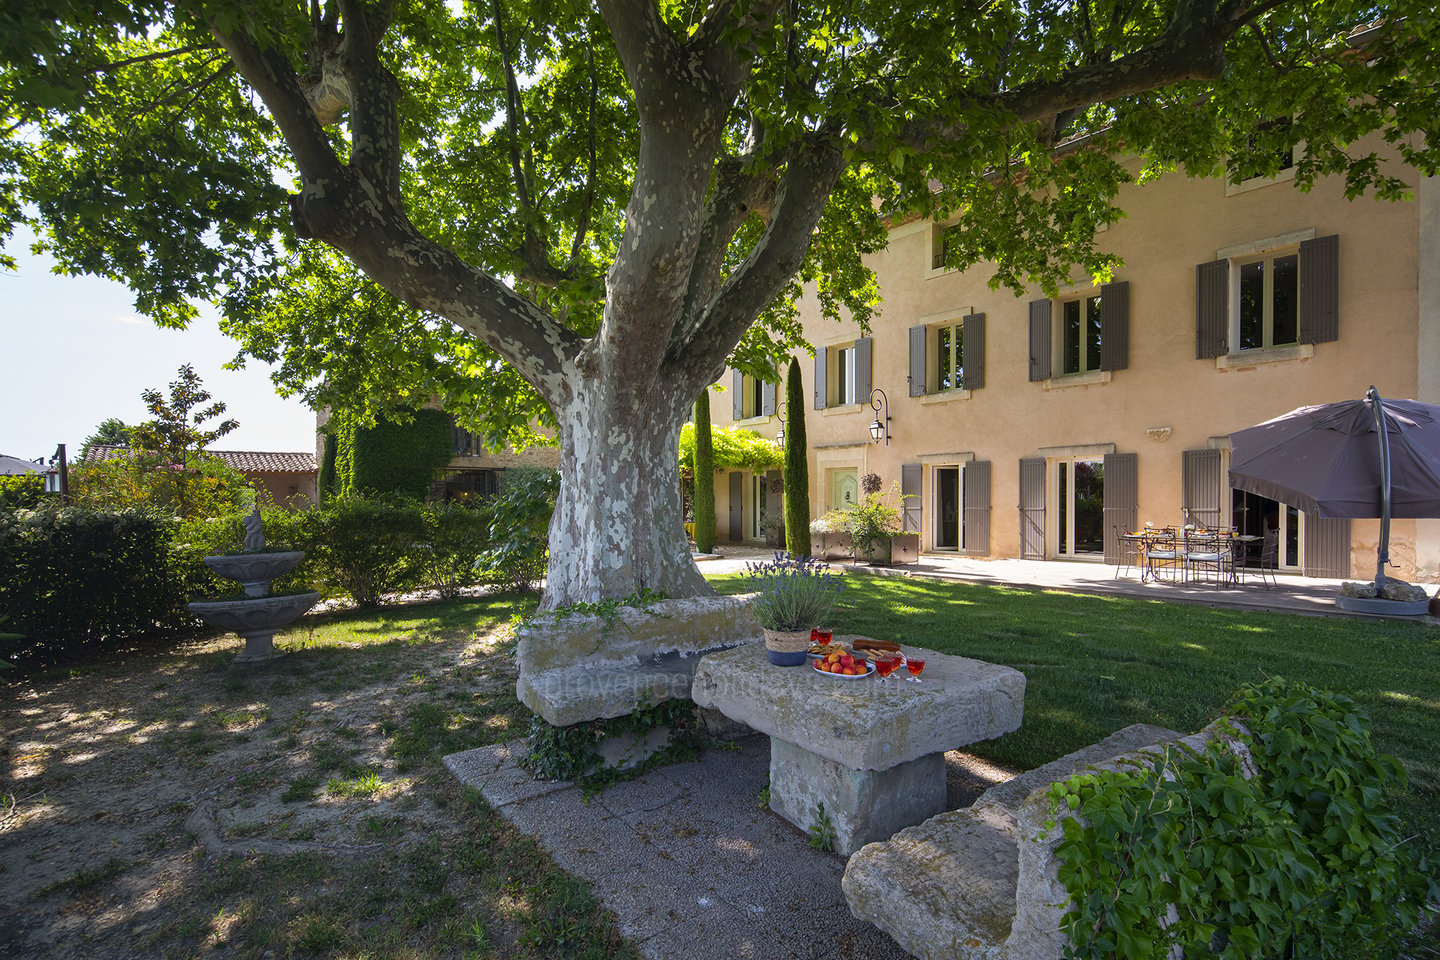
point(1381, 427)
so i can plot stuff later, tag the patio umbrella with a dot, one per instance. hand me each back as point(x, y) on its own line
point(1333, 460)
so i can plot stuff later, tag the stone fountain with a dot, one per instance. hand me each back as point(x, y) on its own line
point(258, 615)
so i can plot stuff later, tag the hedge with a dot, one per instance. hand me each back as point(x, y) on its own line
point(74, 579)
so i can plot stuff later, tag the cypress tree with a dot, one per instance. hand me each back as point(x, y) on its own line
point(704, 476)
point(797, 468)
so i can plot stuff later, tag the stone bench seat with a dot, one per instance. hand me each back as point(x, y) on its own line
point(576, 667)
point(972, 883)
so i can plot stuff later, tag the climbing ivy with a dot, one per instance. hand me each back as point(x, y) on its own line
point(1188, 856)
point(397, 456)
point(573, 752)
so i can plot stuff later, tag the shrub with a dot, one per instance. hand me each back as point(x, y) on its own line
point(1188, 856)
point(520, 526)
point(21, 491)
point(456, 537)
point(873, 519)
point(202, 486)
point(75, 579)
point(794, 594)
point(361, 548)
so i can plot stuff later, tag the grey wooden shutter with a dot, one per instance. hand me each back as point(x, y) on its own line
point(1201, 487)
point(1320, 289)
point(737, 507)
point(1327, 548)
point(737, 399)
point(767, 399)
point(911, 475)
point(976, 533)
point(917, 361)
point(864, 353)
point(1212, 309)
point(1039, 340)
point(973, 352)
point(820, 375)
point(1115, 325)
point(1032, 508)
point(1122, 500)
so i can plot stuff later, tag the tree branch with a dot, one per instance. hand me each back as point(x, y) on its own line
point(145, 58)
point(582, 225)
point(800, 200)
point(374, 121)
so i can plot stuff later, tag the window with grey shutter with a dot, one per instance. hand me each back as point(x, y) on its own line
point(917, 361)
point(1122, 500)
point(1212, 309)
point(1320, 289)
point(976, 531)
point(1327, 548)
point(737, 398)
point(1039, 340)
point(1115, 325)
point(767, 399)
point(973, 354)
point(820, 378)
point(864, 353)
point(911, 475)
point(1201, 487)
point(1032, 508)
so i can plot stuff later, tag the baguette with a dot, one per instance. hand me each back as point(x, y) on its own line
point(861, 643)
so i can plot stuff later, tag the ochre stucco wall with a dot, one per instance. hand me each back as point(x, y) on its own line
point(1172, 225)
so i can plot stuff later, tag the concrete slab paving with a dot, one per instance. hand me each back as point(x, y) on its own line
point(687, 860)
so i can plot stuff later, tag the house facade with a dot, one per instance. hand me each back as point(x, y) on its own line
point(1037, 427)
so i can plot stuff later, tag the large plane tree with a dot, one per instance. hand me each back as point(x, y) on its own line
point(548, 213)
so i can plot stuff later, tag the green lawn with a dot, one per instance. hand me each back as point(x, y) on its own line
point(1095, 664)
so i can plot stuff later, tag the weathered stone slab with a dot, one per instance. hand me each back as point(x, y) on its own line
point(943, 889)
point(580, 667)
point(862, 805)
point(982, 883)
point(863, 724)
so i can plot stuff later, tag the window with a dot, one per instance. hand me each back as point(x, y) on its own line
point(941, 240)
point(1276, 293)
point(842, 374)
point(1268, 157)
point(752, 397)
point(1080, 334)
point(948, 355)
point(1268, 307)
point(1088, 333)
point(949, 372)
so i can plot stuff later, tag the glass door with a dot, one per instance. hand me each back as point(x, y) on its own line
point(1079, 509)
point(756, 506)
point(947, 509)
point(1257, 516)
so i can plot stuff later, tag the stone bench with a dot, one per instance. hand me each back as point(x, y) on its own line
point(981, 882)
point(577, 667)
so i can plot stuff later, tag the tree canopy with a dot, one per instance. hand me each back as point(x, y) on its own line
point(557, 214)
point(191, 150)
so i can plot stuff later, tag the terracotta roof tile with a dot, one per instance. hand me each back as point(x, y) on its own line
point(246, 461)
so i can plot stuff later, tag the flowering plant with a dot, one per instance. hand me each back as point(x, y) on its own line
point(793, 594)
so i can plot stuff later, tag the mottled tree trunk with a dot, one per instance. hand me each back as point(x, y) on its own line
point(619, 522)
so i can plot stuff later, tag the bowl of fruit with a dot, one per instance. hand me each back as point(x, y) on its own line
point(843, 664)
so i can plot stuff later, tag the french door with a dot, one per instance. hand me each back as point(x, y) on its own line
point(1079, 509)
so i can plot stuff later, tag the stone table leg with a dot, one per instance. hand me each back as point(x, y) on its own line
point(863, 805)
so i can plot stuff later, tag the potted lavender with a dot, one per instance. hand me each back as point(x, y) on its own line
point(793, 596)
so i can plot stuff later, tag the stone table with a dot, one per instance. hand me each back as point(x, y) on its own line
point(873, 753)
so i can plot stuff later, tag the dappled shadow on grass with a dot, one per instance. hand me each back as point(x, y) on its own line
point(1094, 664)
point(332, 750)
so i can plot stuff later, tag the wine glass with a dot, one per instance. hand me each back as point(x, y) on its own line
point(915, 667)
point(885, 666)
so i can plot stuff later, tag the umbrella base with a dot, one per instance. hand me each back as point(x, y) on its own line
point(1388, 608)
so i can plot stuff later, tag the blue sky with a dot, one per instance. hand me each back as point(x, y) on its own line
point(73, 352)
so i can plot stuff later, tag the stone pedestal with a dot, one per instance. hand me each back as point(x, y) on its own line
point(871, 752)
point(863, 805)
